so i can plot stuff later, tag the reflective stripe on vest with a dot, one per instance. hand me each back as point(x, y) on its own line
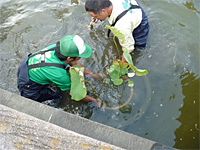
point(43, 64)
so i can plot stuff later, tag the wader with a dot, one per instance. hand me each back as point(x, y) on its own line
point(31, 89)
point(140, 33)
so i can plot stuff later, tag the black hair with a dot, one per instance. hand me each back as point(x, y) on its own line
point(96, 6)
point(59, 55)
point(57, 52)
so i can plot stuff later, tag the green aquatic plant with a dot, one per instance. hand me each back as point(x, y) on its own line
point(119, 69)
point(78, 90)
point(117, 72)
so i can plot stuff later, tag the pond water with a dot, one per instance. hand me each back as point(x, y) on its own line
point(163, 106)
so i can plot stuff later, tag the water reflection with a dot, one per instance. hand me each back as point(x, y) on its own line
point(79, 108)
point(190, 5)
point(74, 2)
point(61, 14)
point(188, 132)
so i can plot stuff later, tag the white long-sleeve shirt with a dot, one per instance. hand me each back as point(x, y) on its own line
point(127, 23)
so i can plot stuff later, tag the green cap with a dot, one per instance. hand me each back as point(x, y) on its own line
point(74, 46)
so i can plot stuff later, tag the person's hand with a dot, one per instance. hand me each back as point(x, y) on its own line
point(94, 20)
point(123, 59)
point(99, 103)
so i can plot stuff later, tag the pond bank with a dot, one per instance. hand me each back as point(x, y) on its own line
point(27, 124)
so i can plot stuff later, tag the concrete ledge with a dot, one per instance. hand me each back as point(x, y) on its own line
point(21, 131)
point(64, 124)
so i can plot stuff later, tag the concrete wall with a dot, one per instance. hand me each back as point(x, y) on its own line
point(83, 133)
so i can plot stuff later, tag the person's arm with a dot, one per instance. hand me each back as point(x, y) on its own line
point(86, 72)
point(87, 98)
point(90, 99)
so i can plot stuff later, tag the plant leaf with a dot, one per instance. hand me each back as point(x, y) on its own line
point(120, 64)
point(131, 74)
point(111, 69)
point(128, 57)
point(78, 89)
point(124, 65)
point(114, 72)
point(116, 32)
point(123, 71)
point(117, 62)
point(106, 80)
point(117, 81)
point(130, 83)
point(141, 72)
point(133, 68)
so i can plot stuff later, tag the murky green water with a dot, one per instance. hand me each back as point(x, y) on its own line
point(165, 104)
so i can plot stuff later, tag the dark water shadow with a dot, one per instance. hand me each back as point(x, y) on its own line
point(188, 131)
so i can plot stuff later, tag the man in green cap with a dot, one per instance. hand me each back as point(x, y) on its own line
point(49, 66)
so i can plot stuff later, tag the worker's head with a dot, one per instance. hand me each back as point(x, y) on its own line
point(99, 9)
point(74, 46)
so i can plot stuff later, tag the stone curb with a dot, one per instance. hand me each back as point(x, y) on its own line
point(83, 133)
